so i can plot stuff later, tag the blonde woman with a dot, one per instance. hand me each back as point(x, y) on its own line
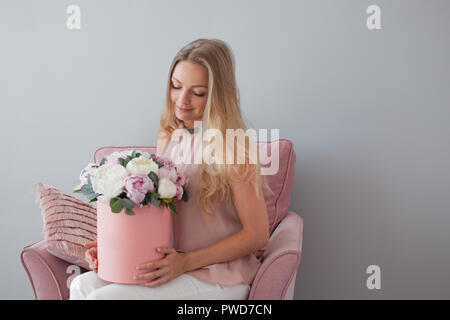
point(219, 232)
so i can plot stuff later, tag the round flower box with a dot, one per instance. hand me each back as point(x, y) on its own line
point(126, 241)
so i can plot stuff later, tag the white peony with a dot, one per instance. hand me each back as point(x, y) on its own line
point(145, 154)
point(170, 174)
point(166, 189)
point(109, 181)
point(142, 165)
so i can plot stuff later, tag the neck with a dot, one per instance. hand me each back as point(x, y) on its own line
point(188, 124)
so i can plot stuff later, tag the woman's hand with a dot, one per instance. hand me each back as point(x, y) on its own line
point(164, 270)
point(91, 255)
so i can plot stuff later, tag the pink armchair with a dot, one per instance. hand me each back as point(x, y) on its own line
point(50, 276)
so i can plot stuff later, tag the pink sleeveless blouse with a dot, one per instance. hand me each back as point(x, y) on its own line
point(192, 230)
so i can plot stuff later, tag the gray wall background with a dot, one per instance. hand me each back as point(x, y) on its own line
point(367, 111)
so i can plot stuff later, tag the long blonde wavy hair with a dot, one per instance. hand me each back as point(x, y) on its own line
point(222, 111)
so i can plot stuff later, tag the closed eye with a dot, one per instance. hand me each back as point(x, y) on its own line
point(198, 95)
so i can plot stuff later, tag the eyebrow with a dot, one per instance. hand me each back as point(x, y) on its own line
point(192, 86)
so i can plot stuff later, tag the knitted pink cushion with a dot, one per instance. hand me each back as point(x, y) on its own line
point(68, 224)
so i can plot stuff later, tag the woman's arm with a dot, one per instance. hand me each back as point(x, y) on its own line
point(253, 236)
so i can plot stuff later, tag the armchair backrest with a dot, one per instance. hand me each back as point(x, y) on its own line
point(280, 182)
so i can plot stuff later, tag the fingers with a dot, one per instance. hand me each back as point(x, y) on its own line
point(89, 245)
point(152, 275)
point(159, 263)
point(157, 282)
point(93, 254)
point(91, 258)
point(152, 265)
point(94, 265)
point(166, 250)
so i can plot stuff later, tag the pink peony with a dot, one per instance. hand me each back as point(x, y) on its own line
point(182, 179)
point(113, 158)
point(165, 161)
point(170, 174)
point(137, 186)
point(180, 191)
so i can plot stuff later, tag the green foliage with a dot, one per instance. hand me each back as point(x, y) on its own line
point(116, 204)
point(92, 197)
point(172, 207)
point(155, 200)
point(154, 179)
point(128, 205)
point(185, 197)
point(88, 191)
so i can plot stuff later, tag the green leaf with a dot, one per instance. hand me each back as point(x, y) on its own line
point(127, 203)
point(172, 207)
point(155, 199)
point(154, 179)
point(125, 162)
point(129, 212)
point(102, 162)
point(133, 154)
point(92, 196)
point(185, 196)
point(77, 191)
point(116, 205)
point(148, 197)
point(87, 189)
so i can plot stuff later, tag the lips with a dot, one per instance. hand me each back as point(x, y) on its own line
point(183, 109)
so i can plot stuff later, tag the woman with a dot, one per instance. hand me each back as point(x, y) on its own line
point(217, 235)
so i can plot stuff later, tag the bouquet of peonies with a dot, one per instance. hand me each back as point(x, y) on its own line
point(128, 178)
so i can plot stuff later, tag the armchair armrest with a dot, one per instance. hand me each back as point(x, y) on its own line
point(49, 276)
point(275, 279)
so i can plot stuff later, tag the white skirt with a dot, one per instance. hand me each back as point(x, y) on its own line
point(185, 287)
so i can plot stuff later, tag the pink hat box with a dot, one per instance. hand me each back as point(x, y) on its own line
point(126, 241)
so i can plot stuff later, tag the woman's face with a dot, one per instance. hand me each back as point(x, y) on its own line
point(189, 91)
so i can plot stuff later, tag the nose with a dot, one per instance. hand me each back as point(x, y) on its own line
point(183, 98)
